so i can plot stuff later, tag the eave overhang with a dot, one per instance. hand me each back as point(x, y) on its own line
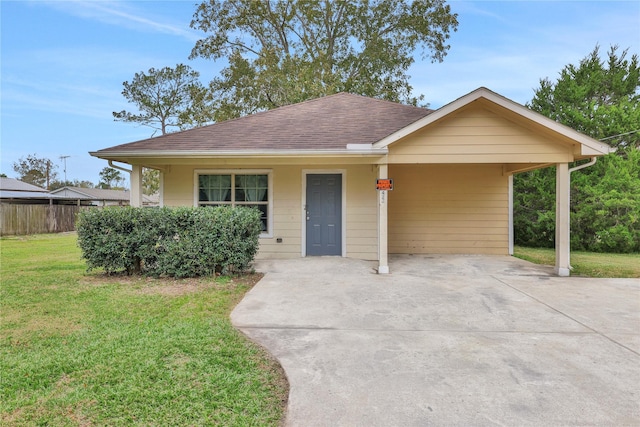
point(368, 151)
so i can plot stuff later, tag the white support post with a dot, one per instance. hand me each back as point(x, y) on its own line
point(562, 267)
point(161, 189)
point(511, 237)
point(383, 195)
point(136, 186)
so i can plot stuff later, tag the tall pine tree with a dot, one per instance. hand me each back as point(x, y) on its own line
point(600, 98)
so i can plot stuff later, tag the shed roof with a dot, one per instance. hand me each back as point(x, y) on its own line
point(327, 123)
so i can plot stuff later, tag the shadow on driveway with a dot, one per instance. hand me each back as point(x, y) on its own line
point(447, 340)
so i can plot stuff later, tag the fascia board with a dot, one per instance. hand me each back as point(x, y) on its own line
point(17, 194)
point(371, 152)
point(584, 140)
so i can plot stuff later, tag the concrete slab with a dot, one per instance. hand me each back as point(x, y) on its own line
point(447, 340)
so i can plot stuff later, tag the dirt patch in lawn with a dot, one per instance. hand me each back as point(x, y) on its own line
point(173, 287)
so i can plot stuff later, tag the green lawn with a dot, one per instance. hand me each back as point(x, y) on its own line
point(87, 349)
point(588, 264)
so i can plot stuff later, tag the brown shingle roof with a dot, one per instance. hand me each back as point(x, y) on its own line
point(327, 123)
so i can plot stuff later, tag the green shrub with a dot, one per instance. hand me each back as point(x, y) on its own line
point(180, 242)
point(106, 238)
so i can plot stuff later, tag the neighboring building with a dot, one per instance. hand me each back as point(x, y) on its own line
point(312, 170)
point(13, 191)
point(101, 197)
point(29, 209)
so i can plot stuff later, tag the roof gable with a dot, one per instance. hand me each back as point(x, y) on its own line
point(92, 193)
point(505, 107)
point(476, 134)
point(327, 123)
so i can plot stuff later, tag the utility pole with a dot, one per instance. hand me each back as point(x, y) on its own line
point(64, 159)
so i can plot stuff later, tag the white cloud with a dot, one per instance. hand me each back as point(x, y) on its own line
point(123, 14)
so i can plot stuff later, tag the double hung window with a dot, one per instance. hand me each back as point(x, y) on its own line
point(236, 189)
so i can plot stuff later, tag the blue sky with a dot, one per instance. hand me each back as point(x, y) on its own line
point(63, 63)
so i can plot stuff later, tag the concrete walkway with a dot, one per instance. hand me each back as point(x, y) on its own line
point(448, 340)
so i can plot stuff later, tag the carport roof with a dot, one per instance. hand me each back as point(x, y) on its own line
point(327, 123)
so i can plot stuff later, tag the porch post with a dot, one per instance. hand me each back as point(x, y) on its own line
point(511, 236)
point(136, 186)
point(383, 196)
point(562, 220)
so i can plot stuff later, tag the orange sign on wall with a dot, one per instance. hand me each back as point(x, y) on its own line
point(384, 184)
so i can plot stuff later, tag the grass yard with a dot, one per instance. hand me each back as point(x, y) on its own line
point(590, 264)
point(85, 349)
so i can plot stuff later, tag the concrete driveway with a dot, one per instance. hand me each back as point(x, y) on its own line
point(448, 340)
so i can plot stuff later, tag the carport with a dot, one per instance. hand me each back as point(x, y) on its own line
point(453, 177)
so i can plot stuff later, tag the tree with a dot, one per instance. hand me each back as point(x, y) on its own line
point(111, 178)
point(606, 208)
point(281, 52)
point(75, 183)
point(602, 100)
point(597, 98)
point(35, 170)
point(150, 181)
point(166, 97)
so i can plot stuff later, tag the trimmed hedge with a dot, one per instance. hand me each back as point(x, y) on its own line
point(172, 242)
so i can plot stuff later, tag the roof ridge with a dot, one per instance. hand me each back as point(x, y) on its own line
point(386, 101)
point(286, 106)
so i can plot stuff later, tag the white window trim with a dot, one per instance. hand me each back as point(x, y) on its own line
point(268, 172)
point(306, 172)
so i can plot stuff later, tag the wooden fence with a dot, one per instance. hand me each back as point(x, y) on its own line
point(35, 219)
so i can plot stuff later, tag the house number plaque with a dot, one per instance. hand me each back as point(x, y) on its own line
point(384, 184)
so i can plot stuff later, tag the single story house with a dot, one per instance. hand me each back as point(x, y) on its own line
point(358, 177)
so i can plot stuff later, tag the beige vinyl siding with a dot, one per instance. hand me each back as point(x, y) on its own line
point(478, 135)
point(457, 209)
point(362, 212)
point(177, 186)
point(287, 215)
point(361, 205)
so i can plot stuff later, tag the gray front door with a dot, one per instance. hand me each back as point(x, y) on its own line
point(324, 214)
